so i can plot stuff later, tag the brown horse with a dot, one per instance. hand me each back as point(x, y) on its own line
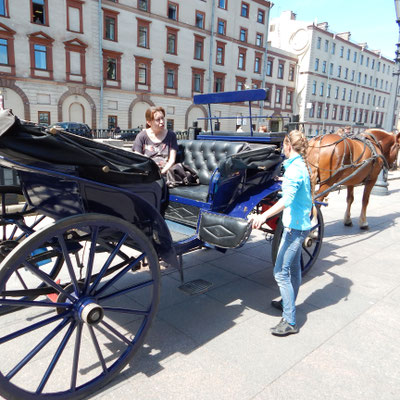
point(335, 160)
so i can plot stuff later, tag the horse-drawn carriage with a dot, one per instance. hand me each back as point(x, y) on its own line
point(78, 296)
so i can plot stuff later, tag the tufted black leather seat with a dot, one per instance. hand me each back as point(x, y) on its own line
point(204, 156)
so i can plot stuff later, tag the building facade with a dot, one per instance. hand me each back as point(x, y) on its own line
point(339, 82)
point(105, 62)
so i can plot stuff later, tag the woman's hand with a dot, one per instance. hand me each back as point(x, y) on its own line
point(257, 220)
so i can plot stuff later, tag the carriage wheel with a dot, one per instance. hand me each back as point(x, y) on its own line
point(83, 328)
point(311, 245)
point(15, 225)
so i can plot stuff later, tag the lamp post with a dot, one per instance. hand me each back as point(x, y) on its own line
point(381, 186)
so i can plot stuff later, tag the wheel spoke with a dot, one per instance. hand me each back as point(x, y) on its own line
point(37, 348)
point(75, 361)
point(68, 261)
point(42, 275)
point(119, 275)
point(97, 347)
point(126, 311)
point(56, 357)
point(92, 251)
point(32, 327)
point(31, 303)
point(116, 333)
point(108, 263)
point(126, 290)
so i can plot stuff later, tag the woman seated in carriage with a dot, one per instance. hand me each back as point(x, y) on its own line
point(156, 141)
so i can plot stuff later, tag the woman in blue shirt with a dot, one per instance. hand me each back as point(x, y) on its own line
point(296, 204)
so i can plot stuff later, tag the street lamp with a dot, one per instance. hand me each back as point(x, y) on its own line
point(381, 186)
point(397, 61)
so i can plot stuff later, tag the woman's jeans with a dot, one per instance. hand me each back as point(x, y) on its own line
point(287, 270)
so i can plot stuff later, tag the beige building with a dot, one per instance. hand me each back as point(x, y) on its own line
point(339, 82)
point(105, 62)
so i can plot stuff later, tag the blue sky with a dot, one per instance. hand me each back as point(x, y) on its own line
point(368, 21)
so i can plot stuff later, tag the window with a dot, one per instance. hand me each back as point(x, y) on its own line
point(326, 111)
point(367, 62)
point(240, 83)
point(328, 90)
point(347, 114)
point(143, 35)
point(341, 51)
point(346, 73)
point(222, 4)
point(4, 8)
point(355, 57)
point(219, 81)
point(75, 51)
point(197, 80)
point(321, 89)
point(314, 87)
point(112, 68)
point(4, 51)
point(339, 71)
point(333, 48)
point(326, 48)
point(39, 12)
point(359, 77)
point(289, 98)
point(41, 47)
point(170, 124)
point(280, 70)
point(144, 5)
point(40, 56)
point(269, 67)
point(318, 42)
point(278, 96)
point(172, 40)
point(74, 16)
point(341, 113)
point(244, 10)
point(242, 59)
point(220, 57)
point(257, 62)
point(334, 112)
point(112, 121)
point(110, 25)
point(319, 110)
point(221, 26)
point(200, 18)
point(111, 72)
point(336, 92)
point(350, 94)
point(312, 110)
point(44, 117)
point(259, 39)
point(372, 64)
point(198, 47)
point(324, 67)
point(357, 95)
point(316, 64)
point(378, 66)
point(243, 35)
point(291, 73)
point(173, 9)
point(171, 78)
point(344, 94)
point(268, 93)
point(260, 16)
point(142, 74)
point(348, 54)
point(362, 59)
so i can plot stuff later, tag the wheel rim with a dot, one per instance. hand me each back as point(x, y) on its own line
point(97, 304)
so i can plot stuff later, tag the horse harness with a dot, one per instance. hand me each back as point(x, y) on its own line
point(371, 142)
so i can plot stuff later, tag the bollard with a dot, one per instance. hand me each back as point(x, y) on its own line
point(381, 185)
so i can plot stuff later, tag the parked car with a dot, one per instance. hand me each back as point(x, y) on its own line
point(75, 127)
point(128, 135)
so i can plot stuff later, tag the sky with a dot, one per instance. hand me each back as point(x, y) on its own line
point(368, 21)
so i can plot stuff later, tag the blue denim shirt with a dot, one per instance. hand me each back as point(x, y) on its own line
point(296, 194)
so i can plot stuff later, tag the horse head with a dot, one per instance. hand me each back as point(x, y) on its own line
point(387, 141)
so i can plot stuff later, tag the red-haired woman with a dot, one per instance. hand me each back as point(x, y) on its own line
point(156, 141)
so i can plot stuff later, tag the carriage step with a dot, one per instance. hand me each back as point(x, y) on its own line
point(197, 286)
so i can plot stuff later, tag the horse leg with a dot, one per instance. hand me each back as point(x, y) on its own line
point(363, 223)
point(349, 200)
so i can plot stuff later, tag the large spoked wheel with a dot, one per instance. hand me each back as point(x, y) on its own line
point(85, 326)
point(16, 224)
point(311, 245)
